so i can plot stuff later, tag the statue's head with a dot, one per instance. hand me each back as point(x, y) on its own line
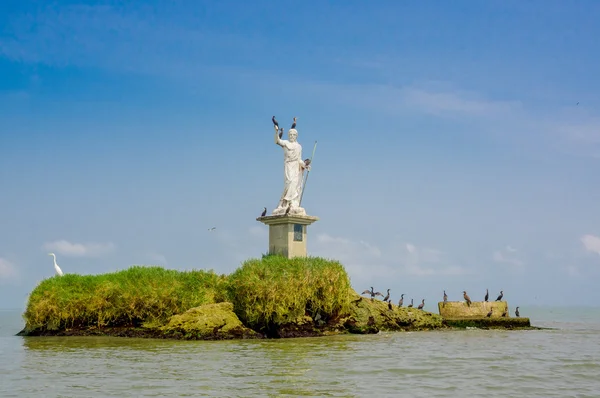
point(293, 135)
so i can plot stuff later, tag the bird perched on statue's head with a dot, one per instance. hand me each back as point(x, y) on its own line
point(294, 124)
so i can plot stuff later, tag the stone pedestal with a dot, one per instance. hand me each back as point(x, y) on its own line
point(287, 234)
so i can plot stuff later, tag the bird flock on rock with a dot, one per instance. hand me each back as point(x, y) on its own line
point(371, 292)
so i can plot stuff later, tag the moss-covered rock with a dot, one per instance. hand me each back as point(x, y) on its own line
point(372, 315)
point(489, 323)
point(208, 322)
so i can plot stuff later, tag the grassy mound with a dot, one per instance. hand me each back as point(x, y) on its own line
point(126, 298)
point(273, 291)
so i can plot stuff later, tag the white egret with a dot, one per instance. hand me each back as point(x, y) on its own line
point(56, 267)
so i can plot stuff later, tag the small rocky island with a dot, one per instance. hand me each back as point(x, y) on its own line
point(286, 293)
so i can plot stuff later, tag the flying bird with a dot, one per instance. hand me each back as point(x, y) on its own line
point(500, 296)
point(56, 267)
point(264, 213)
point(213, 228)
point(487, 295)
point(275, 122)
point(294, 124)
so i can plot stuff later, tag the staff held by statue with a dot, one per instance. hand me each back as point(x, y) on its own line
point(308, 162)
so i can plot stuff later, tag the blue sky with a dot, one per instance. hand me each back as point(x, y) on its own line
point(458, 142)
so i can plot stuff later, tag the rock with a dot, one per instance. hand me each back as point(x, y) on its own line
point(208, 322)
point(372, 315)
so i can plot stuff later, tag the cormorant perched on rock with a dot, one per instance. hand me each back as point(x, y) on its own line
point(401, 300)
point(467, 298)
point(294, 124)
point(372, 293)
point(500, 296)
point(504, 314)
point(387, 297)
point(421, 305)
point(445, 297)
point(489, 314)
point(390, 305)
point(487, 295)
point(264, 213)
point(517, 312)
point(411, 304)
point(275, 122)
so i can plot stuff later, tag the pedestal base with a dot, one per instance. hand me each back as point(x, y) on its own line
point(287, 234)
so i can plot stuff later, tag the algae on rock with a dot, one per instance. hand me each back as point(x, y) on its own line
point(208, 322)
point(372, 315)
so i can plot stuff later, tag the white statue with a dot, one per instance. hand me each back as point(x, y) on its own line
point(294, 168)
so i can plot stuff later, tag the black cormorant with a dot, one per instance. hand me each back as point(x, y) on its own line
point(487, 295)
point(421, 305)
point(387, 297)
point(264, 213)
point(411, 303)
point(275, 122)
point(401, 300)
point(517, 312)
point(500, 296)
point(294, 124)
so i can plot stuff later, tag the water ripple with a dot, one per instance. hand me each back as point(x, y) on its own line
point(549, 363)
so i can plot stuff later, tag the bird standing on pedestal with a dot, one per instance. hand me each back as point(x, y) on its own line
point(264, 213)
point(56, 267)
point(467, 298)
point(500, 296)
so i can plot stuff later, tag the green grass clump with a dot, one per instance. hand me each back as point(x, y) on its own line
point(275, 290)
point(125, 298)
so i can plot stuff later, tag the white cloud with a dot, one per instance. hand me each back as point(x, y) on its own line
point(7, 269)
point(365, 260)
point(591, 243)
point(508, 255)
point(67, 248)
